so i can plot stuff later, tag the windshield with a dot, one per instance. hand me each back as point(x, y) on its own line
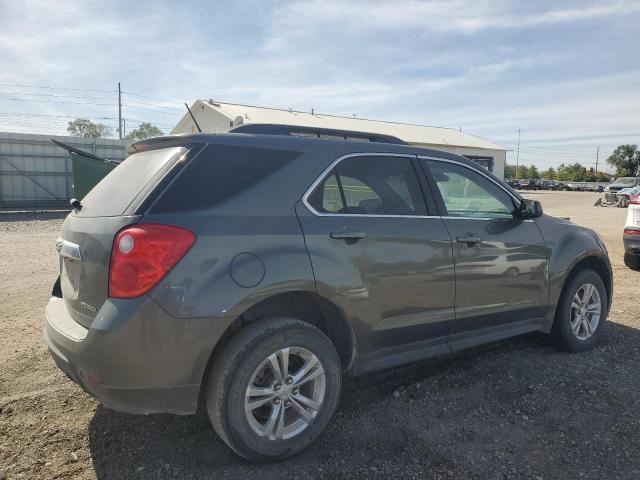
point(624, 181)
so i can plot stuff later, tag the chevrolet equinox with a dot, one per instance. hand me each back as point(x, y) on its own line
point(249, 270)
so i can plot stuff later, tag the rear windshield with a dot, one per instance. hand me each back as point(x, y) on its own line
point(220, 173)
point(118, 189)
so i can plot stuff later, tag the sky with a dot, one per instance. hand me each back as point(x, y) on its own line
point(564, 73)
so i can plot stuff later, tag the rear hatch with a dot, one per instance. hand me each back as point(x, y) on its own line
point(87, 234)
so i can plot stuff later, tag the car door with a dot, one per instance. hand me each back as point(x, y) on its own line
point(378, 254)
point(500, 260)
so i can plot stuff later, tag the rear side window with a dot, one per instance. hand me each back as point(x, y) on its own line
point(115, 192)
point(370, 186)
point(220, 173)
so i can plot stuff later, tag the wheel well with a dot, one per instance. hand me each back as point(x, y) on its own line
point(596, 264)
point(305, 306)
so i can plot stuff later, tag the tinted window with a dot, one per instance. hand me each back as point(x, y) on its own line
point(116, 191)
point(466, 193)
point(370, 186)
point(220, 173)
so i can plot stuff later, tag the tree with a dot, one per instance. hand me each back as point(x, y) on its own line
point(145, 130)
point(571, 173)
point(509, 171)
point(534, 174)
point(83, 127)
point(523, 171)
point(549, 174)
point(626, 159)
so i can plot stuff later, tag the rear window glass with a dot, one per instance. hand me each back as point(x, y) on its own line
point(115, 192)
point(220, 173)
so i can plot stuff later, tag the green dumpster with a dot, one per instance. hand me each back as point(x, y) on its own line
point(87, 172)
point(88, 169)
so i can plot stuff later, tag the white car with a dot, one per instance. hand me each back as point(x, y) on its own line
point(631, 235)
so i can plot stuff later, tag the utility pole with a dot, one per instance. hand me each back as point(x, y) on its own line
point(119, 112)
point(518, 154)
point(597, 158)
point(124, 128)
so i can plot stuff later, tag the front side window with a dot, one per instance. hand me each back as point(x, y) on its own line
point(370, 186)
point(467, 193)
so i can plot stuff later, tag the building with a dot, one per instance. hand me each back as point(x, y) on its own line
point(34, 172)
point(218, 117)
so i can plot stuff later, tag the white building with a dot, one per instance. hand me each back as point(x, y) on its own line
point(218, 117)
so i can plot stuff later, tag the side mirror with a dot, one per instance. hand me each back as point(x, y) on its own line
point(529, 209)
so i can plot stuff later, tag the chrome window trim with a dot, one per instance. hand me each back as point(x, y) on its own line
point(326, 171)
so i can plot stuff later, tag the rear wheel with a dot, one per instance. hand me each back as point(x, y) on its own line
point(273, 388)
point(581, 312)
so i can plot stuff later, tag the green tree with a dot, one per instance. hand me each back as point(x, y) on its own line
point(571, 173)
point(523, 171)
point(509, 171)
point(626, 159)
point(534, 174)
point(549, 174)
point(145, 130)
point(83, 127)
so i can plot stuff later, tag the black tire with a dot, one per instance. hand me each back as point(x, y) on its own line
point(561, 332)
point(233, 369)
point(632, 261)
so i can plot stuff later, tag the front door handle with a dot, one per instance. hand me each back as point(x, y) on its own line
point(348, 233)
point(470, 240)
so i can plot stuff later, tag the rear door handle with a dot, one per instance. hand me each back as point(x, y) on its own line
point(348, 233)
point(469, 240)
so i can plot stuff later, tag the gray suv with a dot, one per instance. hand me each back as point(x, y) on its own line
point(250, 270)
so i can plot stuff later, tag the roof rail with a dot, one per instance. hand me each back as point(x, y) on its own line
point(328, 133)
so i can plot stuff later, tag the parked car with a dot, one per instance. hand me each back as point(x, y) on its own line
point(618, 184)
point(554, 185)
point(631, 235)
point(623, 195)
point(252, 269)
point(529, 185)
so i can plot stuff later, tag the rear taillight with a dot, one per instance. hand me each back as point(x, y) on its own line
point(634, 199)
point(142, 255)
point(631, 231)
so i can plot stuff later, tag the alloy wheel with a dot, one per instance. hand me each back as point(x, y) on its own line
point(586, 309)
point(285, 393)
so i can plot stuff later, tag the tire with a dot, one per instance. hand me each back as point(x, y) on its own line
point(236, 367)
point(562, 332)
point(632, 261)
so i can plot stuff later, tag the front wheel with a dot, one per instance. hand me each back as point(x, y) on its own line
point(273, 388)
point(581, 312)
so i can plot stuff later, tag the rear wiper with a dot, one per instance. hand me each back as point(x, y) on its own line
point(75, 204)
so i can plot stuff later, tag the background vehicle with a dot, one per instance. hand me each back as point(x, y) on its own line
point(554, 185)
point(631, 235)
point(256, 268)
point(618, 184)
point(623, 195)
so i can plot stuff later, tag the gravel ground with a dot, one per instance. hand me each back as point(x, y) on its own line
point(513, 409)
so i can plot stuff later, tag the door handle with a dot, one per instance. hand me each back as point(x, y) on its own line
point(347, 233)
point(470, 240)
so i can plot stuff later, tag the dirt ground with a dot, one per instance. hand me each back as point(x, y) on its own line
point(513, 409)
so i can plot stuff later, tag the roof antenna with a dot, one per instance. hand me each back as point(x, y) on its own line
point(192, 117)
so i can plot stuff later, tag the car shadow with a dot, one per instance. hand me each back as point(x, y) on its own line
point(166, 446)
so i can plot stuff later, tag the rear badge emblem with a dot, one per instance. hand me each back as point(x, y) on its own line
point(89, 307)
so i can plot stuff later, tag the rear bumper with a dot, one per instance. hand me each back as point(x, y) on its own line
point(135, 358)
point(631, 244)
